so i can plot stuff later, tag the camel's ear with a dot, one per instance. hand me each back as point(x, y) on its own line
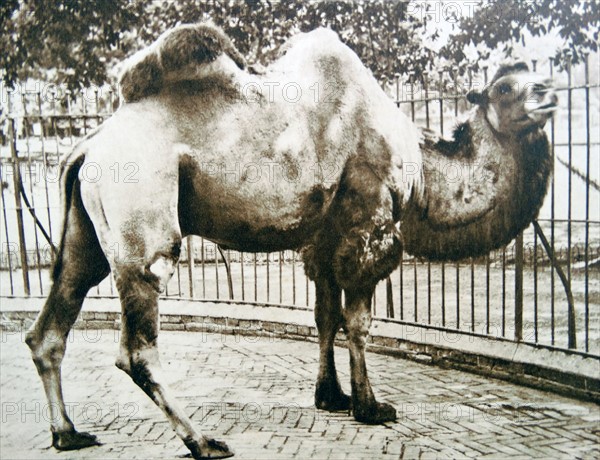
point(475, 97)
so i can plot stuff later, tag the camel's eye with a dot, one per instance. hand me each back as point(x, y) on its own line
point(504, 88)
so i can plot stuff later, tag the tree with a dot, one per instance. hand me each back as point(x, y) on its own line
point(496, 24)
point(75, 42)
point(75, 38)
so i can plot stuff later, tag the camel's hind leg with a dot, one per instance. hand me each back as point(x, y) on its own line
point(147, 235)
point(139, 288)
point(80, 265)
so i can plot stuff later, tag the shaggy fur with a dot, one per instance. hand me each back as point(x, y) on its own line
point(175, 56)
point(531, 167)
point(334, 171)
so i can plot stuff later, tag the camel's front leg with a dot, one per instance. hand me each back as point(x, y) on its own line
point(357, 318)
point(139, 289)
point(328, 316)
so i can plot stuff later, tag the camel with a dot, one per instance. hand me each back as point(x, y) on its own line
point(308, 154)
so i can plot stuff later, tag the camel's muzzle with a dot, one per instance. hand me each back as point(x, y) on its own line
point(541, 104)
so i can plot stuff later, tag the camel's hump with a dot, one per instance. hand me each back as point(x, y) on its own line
point(181, 53)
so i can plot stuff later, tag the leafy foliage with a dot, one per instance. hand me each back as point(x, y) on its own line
point(379, 31)
point(504, 23)
point(74, 37)
point(75, 41)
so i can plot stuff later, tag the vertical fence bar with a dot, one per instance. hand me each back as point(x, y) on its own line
point(84, 110)
point(268, 279)
point(487, 294)
point(426, 94)
point(54, 96)
point(535, 266)
point(443, 294)
point(280, 277)
point(503, 292)
point(571, 314)
point(427, 125)
point(216, 252)
point(570, 150)
point(242, 275)
point(178, 281)
point(401, 274)
point(68, 95)
point(443, 267)
point(28, 118)
point(46, 166)
point(307, 284)
point(203, 266)
point(18, 205)
point(374, 303)
point(412, 96)
point(457, 295)
point(254, 263)
point(519, 288)
point(552, 214)
point(227, 262)
point(471, 261)
point(294, 277)
point(535, 287)
point(441, 100)
point(416, 290)
point(428, 292)
point(190, 257)
point(8, 245)
point(472, 295)
point(415, 287)
point(587, 203)
point(389, 303)
point(455, 82)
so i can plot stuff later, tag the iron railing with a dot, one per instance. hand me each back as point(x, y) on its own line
point(516, 293)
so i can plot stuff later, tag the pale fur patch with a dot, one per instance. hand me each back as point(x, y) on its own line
point(163, 268)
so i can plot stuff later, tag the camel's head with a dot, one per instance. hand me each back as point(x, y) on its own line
point(516, 99)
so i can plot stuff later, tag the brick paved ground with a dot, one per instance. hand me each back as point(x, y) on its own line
point(256, 394)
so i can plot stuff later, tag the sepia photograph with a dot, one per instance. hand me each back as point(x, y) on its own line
point(299, 229)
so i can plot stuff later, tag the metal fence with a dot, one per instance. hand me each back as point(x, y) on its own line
point(542, 288)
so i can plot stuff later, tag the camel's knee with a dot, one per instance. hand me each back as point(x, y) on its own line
point(357, 327)
point(47, 350)
point(357, 317)
point(138, 364)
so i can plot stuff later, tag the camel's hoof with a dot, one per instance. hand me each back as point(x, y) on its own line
point(332, 402)
point(73, 440)
point(377, 413)
point(208, 449)
point(330, 397)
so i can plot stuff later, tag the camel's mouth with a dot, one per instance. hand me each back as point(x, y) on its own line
point(538, 115)
point(546, 108)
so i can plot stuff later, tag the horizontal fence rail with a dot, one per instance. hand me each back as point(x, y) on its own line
point(543, 288)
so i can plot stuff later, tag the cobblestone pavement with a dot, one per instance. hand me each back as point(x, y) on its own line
point(257, 395)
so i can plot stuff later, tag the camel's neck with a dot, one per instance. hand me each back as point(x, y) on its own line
point(480, 191)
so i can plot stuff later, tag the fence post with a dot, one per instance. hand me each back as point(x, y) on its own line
point(190, 256)
point(389, 294)
point(519, 287)
point(18, 206)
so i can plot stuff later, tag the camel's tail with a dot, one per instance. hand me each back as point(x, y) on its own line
point(181, 53)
